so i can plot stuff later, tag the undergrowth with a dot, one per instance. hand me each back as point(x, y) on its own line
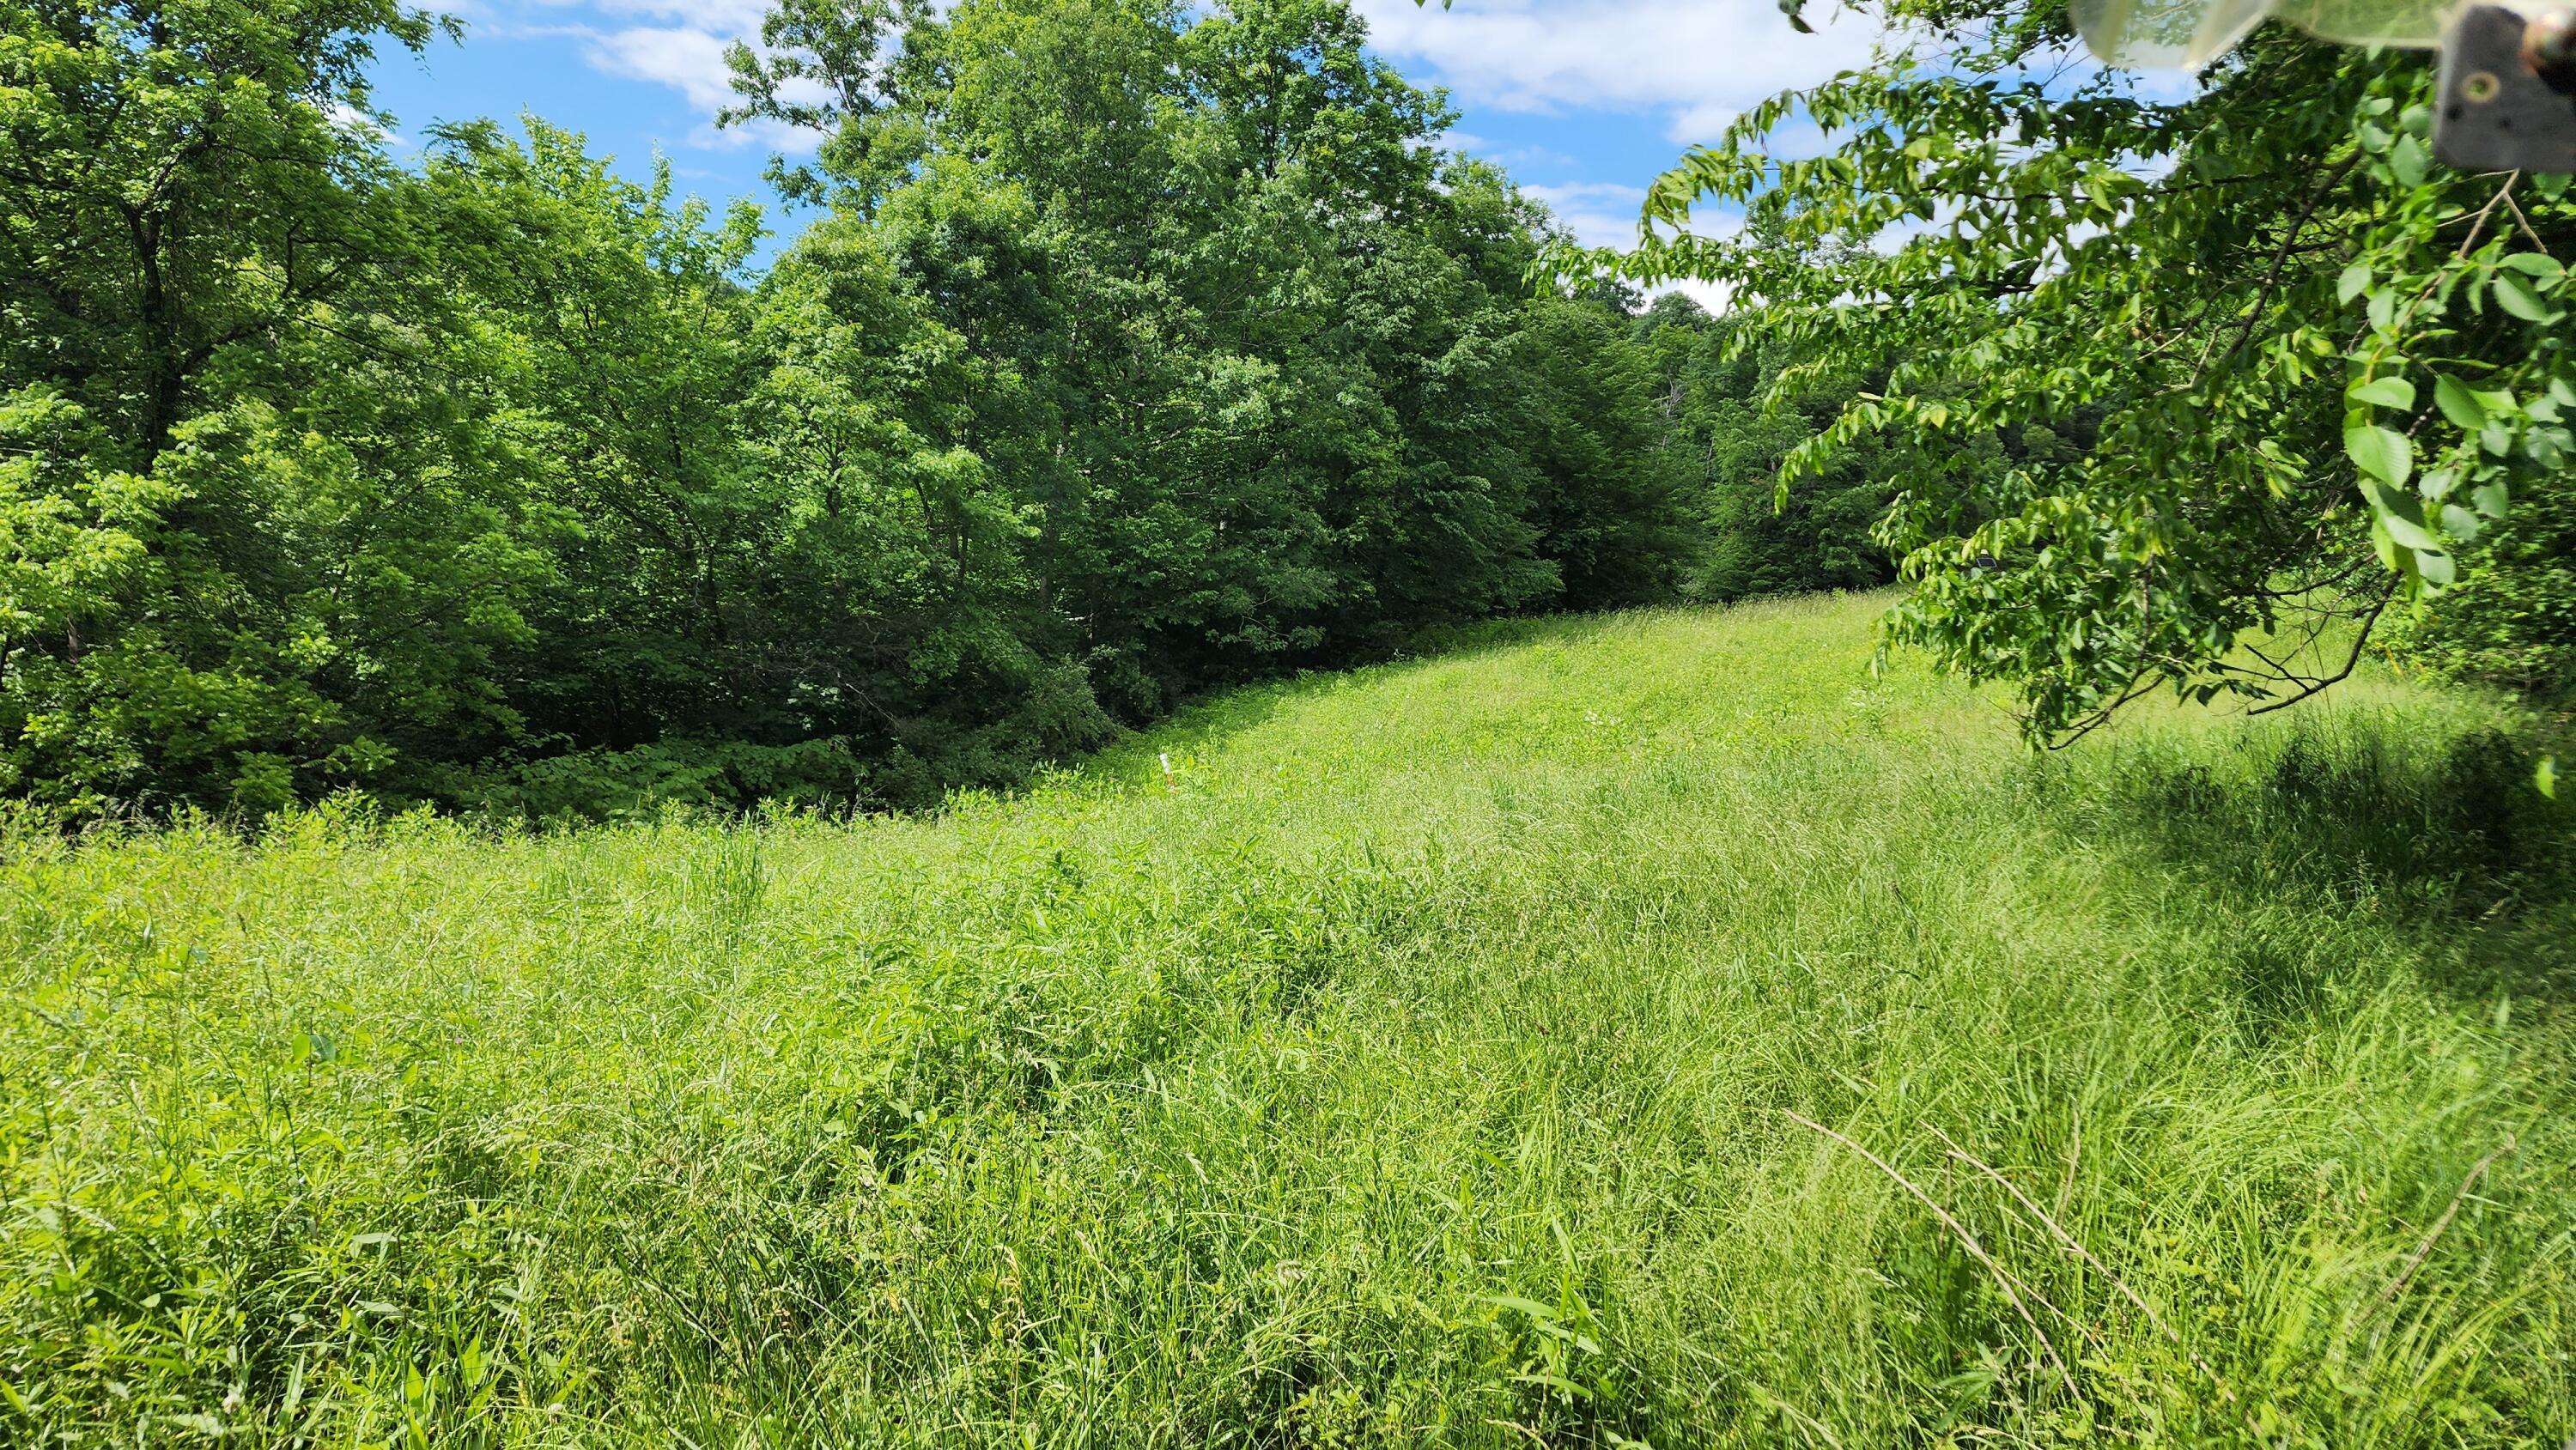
point(1647, 1030)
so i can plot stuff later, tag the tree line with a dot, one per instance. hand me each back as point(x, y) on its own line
point(1127, 350)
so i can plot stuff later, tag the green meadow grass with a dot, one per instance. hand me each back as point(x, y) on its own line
point(1642, 1030)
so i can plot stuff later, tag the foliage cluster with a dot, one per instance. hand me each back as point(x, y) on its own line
point(1140, 348)
point(1437, 1055)
point(2159, 373)
point(1731, 432)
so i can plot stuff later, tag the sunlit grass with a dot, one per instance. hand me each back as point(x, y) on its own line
point(1641, 1029)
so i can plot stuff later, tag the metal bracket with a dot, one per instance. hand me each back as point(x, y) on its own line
point(2496, 112)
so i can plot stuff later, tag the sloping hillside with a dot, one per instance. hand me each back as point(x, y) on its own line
point(1645, 1029)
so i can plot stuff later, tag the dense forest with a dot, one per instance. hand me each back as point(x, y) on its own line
point(1111, 352)
point(1122, 351)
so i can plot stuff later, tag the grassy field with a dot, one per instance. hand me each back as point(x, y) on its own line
point(1640, 1030)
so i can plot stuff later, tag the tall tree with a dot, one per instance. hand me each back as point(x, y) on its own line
point(1142, 349)
point(2268, 338)
point(250, 542)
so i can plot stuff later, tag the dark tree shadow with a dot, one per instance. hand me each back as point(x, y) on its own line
point(2448, 839)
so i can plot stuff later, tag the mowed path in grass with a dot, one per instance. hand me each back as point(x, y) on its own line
point(1647, 1029)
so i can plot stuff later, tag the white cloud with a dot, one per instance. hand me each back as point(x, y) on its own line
point(686, 52)
point(689, 60)
point(1599, 213)
point(725, 17)
point(1696, 62)
point(1604, 214)
point(1691, 65)
point(1713, 298)
point(692, 62)
point(1699, 124)
point(1695, 65)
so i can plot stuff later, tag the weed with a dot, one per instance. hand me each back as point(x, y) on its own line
point(1632, 1031)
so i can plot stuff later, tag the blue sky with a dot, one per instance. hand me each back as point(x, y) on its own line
point(1583, 101)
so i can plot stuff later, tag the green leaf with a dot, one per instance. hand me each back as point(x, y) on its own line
point(2460, 523)
point(2380, 453)
point(2514, 295)
point(2408, 534)
point(2435, 568)
point(2546, 776)
point(2491, 499)
point(2398, 513)
point(2350, 284)
point(2534, 264)
point(2383, 392)
point(2458, 403)
point(2409, 160)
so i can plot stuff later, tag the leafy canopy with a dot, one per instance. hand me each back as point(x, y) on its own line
point(1140, 350)
point(2298, 370)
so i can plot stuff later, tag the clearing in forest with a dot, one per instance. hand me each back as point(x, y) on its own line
point(1636, 1029)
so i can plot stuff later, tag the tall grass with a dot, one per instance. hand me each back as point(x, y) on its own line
point(1636, 1031)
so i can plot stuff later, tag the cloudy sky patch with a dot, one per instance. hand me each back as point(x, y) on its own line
point(1582, 101)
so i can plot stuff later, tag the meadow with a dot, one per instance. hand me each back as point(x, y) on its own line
point(1649, 1029)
